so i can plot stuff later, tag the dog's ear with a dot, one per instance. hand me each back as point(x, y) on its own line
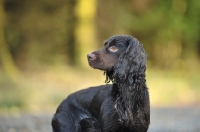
point(132, 62)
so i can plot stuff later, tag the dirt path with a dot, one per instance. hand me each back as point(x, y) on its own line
point(162, 120)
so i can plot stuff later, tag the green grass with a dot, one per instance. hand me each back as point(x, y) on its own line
point(41, 89)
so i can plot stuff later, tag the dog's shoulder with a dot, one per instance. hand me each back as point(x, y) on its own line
point(86, 96)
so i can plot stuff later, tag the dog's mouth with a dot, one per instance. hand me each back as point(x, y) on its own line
point(96, 66)
point(92, 65)
point(92, 60)
point(95, 62)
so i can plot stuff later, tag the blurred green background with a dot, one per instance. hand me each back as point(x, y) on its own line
point(43, 47)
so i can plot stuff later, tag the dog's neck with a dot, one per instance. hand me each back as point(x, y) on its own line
point(130, 96)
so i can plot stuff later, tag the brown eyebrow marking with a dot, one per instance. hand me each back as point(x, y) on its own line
point(109, 43)
point(112, 43)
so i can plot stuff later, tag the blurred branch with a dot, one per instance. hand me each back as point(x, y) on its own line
point(85, 30)
point(5, 56)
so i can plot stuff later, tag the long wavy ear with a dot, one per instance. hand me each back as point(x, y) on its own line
point(131, 65)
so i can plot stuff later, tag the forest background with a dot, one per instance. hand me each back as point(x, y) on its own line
point(44, 43)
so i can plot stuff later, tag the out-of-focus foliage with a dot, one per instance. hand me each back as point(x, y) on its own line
point(40, 30)
point(40, 37)
point(49, 31)
point(169, 30)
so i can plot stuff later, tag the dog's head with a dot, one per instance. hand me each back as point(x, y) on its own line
point(120, 55)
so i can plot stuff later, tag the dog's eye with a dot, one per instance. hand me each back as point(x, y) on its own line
point(113, 49)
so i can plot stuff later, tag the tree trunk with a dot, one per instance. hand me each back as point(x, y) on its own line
point(5, 55)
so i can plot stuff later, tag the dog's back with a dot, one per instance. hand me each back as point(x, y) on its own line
point(78, 112)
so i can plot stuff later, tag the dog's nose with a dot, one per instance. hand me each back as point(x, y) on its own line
point(91, 56)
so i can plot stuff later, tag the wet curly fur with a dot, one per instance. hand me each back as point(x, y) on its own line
point(122, 106)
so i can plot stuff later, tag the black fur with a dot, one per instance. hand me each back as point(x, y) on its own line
point(120, 107)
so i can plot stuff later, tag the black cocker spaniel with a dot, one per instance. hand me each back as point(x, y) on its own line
point(120, 107)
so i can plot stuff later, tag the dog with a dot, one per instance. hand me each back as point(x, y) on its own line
point(122, 106)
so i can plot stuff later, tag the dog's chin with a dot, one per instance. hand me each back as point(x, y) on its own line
point(100, 67)
point(95, 67)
